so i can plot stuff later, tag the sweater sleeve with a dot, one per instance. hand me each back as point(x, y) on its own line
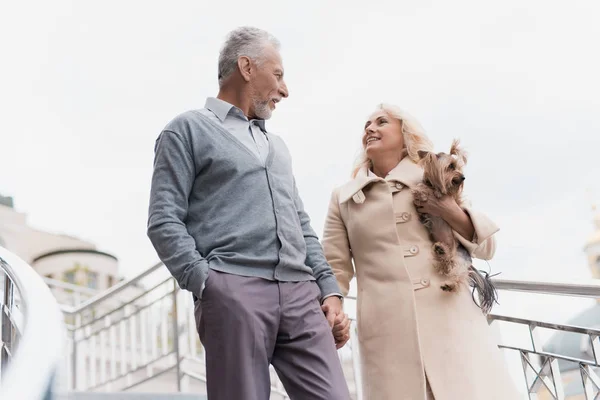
point(315, 258)
point(172, 180)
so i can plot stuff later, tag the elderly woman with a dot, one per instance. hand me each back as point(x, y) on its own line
point(417, 341)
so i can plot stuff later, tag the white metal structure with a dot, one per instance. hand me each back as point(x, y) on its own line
point(32, 332)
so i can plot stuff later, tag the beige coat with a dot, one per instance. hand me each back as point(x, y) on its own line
point(407, 325)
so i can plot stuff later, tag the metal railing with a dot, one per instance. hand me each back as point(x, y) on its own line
point(69, 293)
point(541, 368)
point(141, 334)
point(543, 378)
point(143, 330)
point(31, 330)
point(125, 336)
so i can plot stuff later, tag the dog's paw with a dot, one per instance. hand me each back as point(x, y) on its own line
point(439, 249)
point(444, 264)
point(448, 287)
point(421, 193)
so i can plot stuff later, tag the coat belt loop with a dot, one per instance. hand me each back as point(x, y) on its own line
point(359, 197)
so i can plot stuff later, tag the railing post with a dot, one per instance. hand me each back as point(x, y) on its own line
point(74, 361)
point(176, 336)
point(591, 382)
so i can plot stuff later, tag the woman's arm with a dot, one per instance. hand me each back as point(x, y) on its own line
point(483, 244)
point(473, 229)
point(336, 245)
point(458, 219)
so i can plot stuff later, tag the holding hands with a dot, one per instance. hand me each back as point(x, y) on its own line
point(338, 320)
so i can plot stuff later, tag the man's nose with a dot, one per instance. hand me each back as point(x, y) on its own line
point(283, 90)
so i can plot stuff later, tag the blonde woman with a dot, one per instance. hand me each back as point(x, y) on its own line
point(417, 341)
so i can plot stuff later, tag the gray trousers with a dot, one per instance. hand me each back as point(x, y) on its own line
point(247, 323)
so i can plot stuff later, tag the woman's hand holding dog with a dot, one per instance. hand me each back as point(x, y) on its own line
point(447, 208)
point(438, 207)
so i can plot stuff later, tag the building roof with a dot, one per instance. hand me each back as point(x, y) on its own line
point(72, 251)
point(574, 344)
point(7, 201)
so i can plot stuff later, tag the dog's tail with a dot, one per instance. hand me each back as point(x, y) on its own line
point(482, 282)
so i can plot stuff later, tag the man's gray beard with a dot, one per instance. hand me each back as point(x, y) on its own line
point(262, 109)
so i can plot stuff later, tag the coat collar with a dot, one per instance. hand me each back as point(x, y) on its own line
point(406, 172)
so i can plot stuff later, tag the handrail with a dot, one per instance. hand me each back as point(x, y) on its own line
point(31, 370)
point(533, 323)
point(575, 288)
point(572, 288)
point(95, 300)
point(70, 286)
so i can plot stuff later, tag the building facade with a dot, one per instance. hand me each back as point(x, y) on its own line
point(58, 258)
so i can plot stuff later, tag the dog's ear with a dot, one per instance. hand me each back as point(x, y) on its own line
point(422, 154)
point(457, 151)
point(455, 148)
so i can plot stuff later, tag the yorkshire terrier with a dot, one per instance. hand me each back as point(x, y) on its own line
point(443, 175)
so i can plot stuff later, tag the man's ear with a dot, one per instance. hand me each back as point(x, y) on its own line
point(245, 67)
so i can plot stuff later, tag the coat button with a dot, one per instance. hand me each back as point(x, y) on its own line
point(405, 216)
point(424, 282)
point(414, 249)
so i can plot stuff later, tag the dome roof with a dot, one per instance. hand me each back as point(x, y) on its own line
point(573, 345)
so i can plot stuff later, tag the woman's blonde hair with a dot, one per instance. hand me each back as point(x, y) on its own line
point(413, 134)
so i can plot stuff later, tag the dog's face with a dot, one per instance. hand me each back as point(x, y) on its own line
point(444, 172)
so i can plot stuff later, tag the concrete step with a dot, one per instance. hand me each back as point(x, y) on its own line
point(127, 396)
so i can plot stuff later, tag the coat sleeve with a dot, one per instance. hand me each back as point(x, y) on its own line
point(337, 246)
point(483, 245)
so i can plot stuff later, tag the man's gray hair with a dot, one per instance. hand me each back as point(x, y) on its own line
point(245, 41)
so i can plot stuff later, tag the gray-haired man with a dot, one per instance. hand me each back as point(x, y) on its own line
point(226, 219)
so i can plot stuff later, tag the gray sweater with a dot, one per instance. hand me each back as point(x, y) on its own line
point(213, 204)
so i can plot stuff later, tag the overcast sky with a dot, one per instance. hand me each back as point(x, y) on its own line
point(86, 87)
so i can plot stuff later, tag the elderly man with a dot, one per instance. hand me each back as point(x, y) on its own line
point(226, 219)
